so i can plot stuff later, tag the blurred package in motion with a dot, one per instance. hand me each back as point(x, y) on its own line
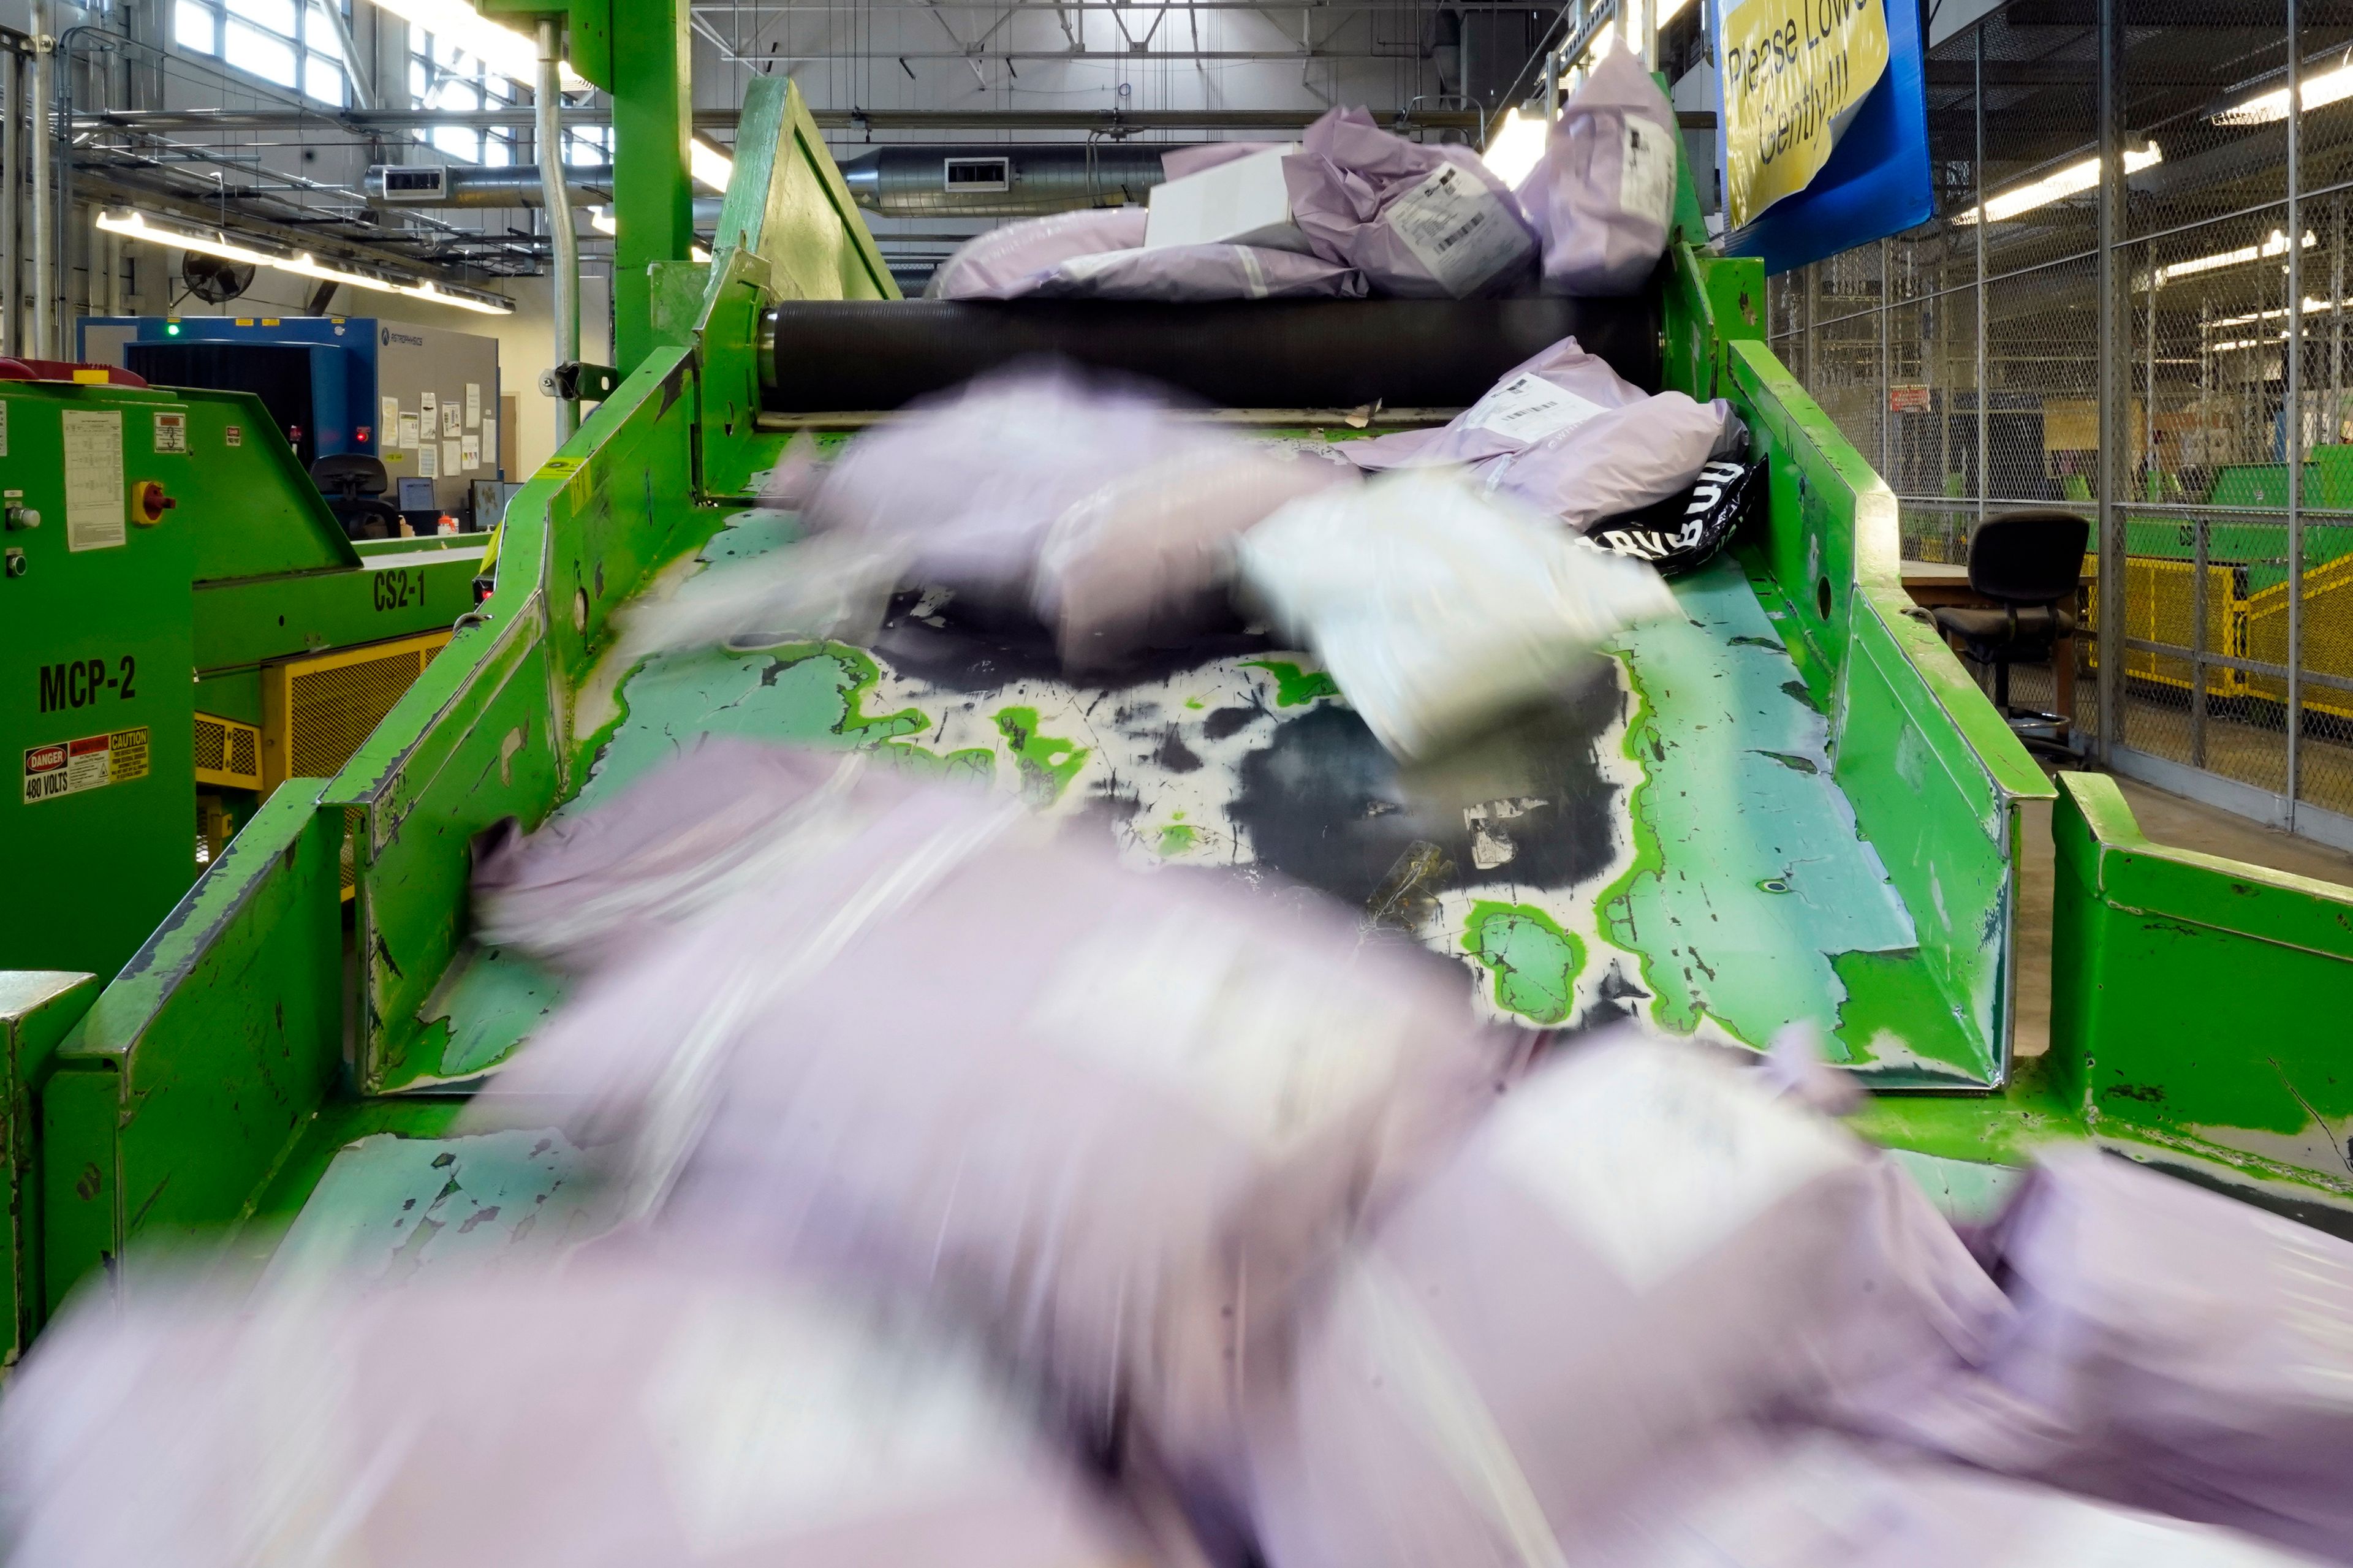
point(1644, 1247)
point(1115, 1117)
point(1040, 492)
point(1437, 608)
point(1762, 1497)
point(616, 872)
point(2171, 1348)
point(619, 1411)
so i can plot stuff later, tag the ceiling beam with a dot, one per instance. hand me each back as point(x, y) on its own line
point(1112, 121)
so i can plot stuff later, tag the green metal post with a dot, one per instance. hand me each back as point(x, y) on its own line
point(653, 203)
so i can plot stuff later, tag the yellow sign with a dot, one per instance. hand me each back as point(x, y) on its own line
point(1794, 73)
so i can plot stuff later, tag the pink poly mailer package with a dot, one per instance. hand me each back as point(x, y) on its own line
point(612, 1413)
point(1645, 1243)
point(591, 888)
point(1763, 1496)
point(1567, 435)
point(1115, 1117)
point(1005, 262)
point(2172, 1348)
point(1602, 197)
point(1423, 221)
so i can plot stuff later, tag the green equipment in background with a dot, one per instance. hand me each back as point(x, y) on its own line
point(182, 624)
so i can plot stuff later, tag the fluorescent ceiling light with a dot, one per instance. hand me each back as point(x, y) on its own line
point(2072, 181)
point(708, 166)
point(2275, 246)
point(1514, 148)
point(503, 49)
point(2325, 88)
point(2250, 344)
point(135, 225)
point(2311, 307)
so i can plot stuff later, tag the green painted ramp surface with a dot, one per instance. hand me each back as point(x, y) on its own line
point(1666, 838)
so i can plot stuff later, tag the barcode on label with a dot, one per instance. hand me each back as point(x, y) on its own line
point(1458, 229)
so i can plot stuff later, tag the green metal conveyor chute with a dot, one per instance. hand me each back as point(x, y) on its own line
point(1789, 804)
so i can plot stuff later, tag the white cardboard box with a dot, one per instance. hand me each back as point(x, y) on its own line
point(1243, 202)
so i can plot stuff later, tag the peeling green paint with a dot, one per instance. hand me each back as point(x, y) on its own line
point(1295, 687)
point(1536, 963)
point(1046, 763)
point(1175, 838)
point(1748, 871)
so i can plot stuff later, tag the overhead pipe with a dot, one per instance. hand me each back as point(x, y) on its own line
point(547, 99)
point(44, 342)
point(1003, 180)
point(460, 186)
point(12, 186)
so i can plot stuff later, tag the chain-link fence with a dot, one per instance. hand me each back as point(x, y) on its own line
point(2215, 457)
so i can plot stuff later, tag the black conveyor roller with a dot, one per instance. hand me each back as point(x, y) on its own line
point(831, 356)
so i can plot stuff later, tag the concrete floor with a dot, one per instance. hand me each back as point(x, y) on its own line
point(2166, 819)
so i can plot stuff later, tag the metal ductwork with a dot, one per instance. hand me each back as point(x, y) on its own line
point(1002, 181)
point(460, 185)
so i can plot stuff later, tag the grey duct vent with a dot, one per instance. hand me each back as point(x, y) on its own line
point(1000, 180)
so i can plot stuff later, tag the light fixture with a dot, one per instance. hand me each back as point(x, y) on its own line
point(2250, 344)
point(708, 165)
point(135, 225)
point(503, 49)
point(1514, 148)
point(2072, 181)
point(2275, 246)
point(2312, 307)
point(2314, 91)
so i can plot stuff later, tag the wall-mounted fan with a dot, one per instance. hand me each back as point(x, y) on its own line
point(215, 279)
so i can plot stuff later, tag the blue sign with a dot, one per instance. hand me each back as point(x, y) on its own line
point(1877, 182)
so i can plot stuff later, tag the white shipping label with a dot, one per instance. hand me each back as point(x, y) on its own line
point(233, 436)
point(171, 432)
point(408, 433)
point(451, 465)
point(1459, 230)
point(1528, 408)
point(450, 413)
point(390, 428)
point(426, 468)
point(1646, 172)
point(1655, 1155)
point(94, 506)
point(473, 405)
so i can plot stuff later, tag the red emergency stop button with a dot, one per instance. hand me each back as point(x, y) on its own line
point(149, 503)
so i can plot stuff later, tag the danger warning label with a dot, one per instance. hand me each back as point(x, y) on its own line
point(69, 768)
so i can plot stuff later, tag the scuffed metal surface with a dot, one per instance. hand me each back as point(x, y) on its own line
point(389, 1206)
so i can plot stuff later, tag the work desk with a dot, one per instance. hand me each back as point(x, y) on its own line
point(1936, 583)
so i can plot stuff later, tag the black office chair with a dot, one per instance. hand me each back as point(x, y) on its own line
point(354, 484)
point(2030, 563)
